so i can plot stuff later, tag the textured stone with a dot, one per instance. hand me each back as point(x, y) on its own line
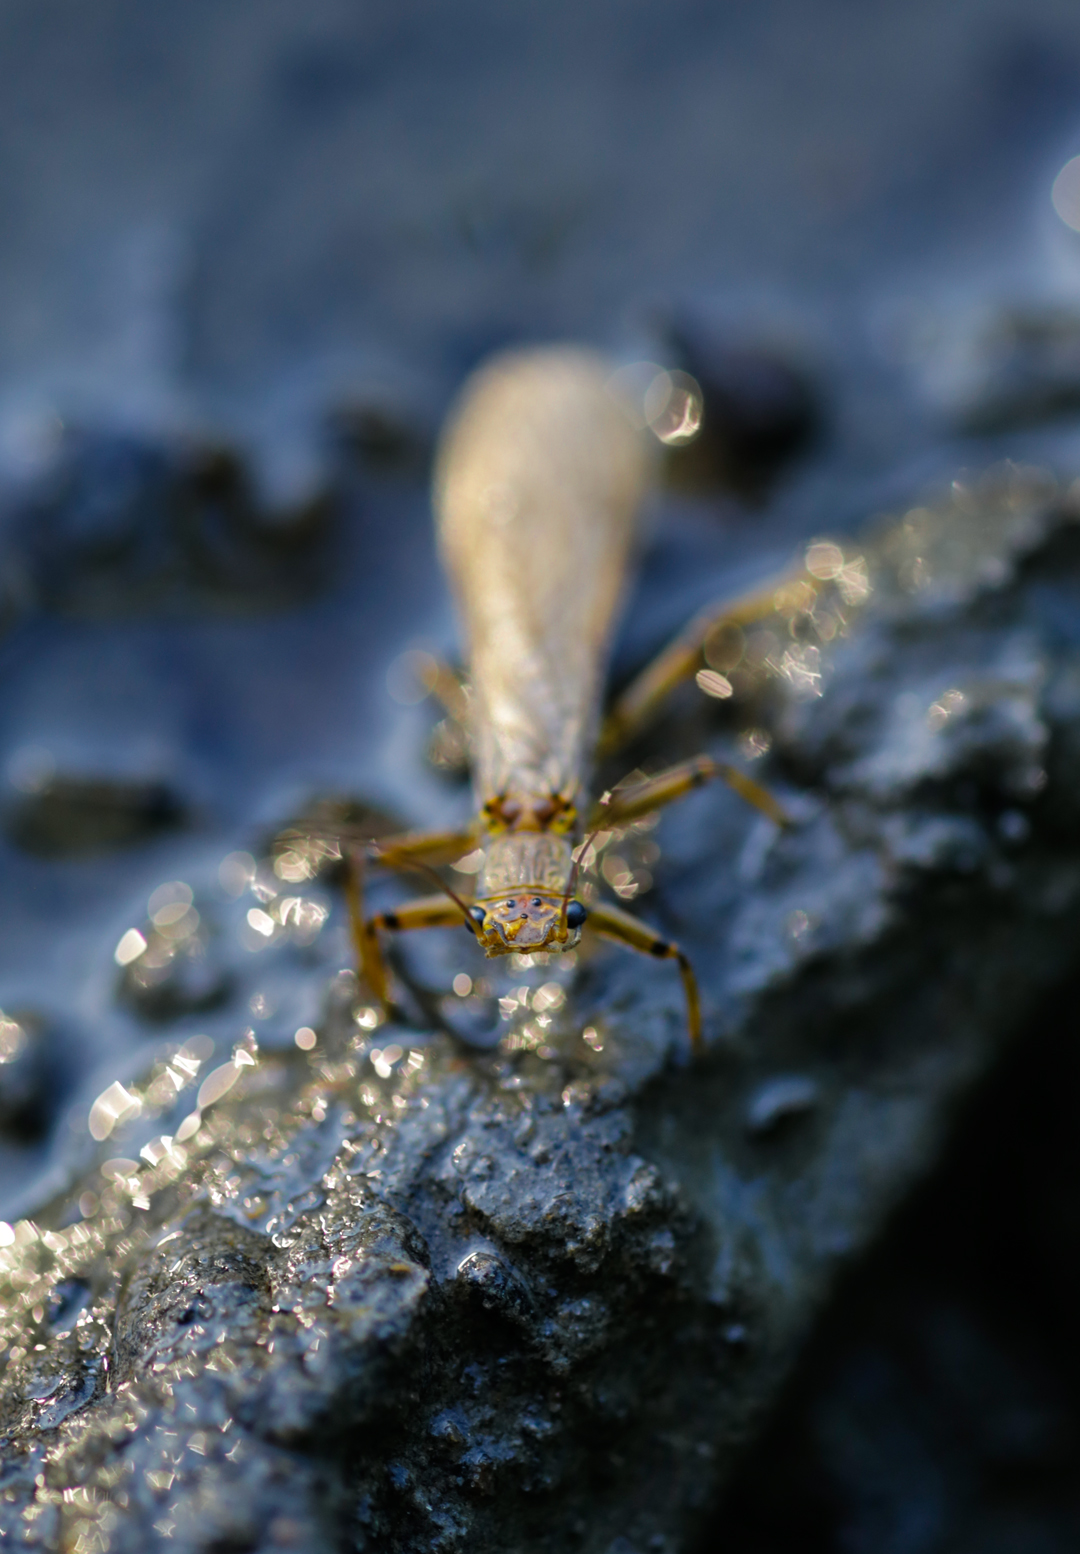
point(397, 1294)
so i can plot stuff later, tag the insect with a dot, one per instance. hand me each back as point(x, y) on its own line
point(539, 478)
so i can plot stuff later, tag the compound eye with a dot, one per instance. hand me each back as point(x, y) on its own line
point(477, 914)
point(576, 914)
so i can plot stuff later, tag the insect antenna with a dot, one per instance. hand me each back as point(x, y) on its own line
point(580, 854)
point(425, 868)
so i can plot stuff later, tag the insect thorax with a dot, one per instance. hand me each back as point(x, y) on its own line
point(525, 860)
point(553, 811)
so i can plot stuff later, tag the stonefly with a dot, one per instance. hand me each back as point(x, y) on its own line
point(540, 475)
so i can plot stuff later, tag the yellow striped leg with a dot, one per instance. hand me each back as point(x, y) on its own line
point(422, 912)
point(365, 939)
point(630, 803)
point(613, 923)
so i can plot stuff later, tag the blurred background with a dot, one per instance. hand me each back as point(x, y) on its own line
point(248, 250)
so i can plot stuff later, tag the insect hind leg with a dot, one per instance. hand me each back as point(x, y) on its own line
point(654, 793)
point(639, 703)
point(793, 593)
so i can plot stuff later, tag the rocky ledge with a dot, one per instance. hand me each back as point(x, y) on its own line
point(389, 1291)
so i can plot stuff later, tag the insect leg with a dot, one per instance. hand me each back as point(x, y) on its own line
point(422, 912)
point(450, 687)
point(365, 939)
point(681, 659)
point(643, 798)
point(612, 923)
point(432, 847)
point(410, 849)
point(396, 851)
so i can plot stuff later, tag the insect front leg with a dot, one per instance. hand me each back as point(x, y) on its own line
point(422, 847)
point(612, 923)
point(644, 798)
point(423, 912)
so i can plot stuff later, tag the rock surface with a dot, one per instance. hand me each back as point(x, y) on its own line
point(936, 1408)
point(390, 1292)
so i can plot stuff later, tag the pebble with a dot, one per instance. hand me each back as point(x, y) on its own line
point(75, 815)
point(788, 1095)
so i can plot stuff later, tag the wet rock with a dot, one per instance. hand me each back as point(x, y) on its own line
point(382, 1292)
point(117, 527)
point(932, 1407)
point(204, 1281)
point(382, 436)
point(496, 1285)
point(788, 1095)
point(67, 815)
point(66, 1300)
point(172, 980)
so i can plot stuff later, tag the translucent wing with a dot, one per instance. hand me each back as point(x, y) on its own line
point(538, 482)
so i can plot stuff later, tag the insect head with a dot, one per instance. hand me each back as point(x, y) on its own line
point(526, 921)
